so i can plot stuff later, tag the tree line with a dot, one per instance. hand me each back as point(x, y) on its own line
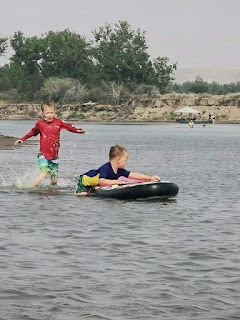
point(66, 67)
point(200, 86)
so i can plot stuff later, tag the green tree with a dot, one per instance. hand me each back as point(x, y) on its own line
point(163, 73)
point(118, 56)
point(3, 45)
point(14, 76)
point(28, 51)
point(58, 54)
point(26, 62)
point(121, 54)
point(199, 86)
point(215, 88)
point(67, 54)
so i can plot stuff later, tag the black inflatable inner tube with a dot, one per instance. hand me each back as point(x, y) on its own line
point(138, 190)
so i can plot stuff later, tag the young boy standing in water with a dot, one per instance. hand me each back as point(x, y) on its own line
point(49, 130)
point(108, 173)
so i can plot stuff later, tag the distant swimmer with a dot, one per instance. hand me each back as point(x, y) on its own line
point(191, 124)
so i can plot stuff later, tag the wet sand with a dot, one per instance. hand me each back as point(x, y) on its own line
point(7, 142)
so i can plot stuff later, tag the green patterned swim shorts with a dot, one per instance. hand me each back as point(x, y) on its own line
point(51, 166)
point(81, 187)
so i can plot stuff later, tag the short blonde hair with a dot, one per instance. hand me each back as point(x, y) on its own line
point(49, 104)
point(116, 151)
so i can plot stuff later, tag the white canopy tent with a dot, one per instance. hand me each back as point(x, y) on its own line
point(187, 110)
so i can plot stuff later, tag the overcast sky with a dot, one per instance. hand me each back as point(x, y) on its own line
point(194, 33)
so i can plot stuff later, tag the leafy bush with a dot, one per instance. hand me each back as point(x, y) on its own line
point(149, 90)
point(109, 93)
point(223, 116)
point(11, 96)
point(116, 92)
point(76, 115)
point(59, 113)
point(97, 94)
point(62, 90)
point(172, 115)
point(33, 114)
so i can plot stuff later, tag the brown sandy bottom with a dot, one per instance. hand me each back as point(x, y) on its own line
point(7, 142)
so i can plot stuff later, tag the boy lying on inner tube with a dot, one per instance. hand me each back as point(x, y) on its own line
point(108, 173)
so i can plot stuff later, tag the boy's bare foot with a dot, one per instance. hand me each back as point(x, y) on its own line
point(80, 193)
point(53, 182)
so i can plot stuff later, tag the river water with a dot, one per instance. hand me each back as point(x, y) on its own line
point(69, 258)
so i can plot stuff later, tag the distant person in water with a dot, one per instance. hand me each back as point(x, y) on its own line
point(191, 124)
point(49, 130)
point(108, 173)
point(199, 116)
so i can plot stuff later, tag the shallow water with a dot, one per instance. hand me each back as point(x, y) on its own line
point(63, 257)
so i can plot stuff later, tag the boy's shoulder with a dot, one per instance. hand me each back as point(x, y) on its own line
point(39, 122)
point(106, 165)
point(58, 120)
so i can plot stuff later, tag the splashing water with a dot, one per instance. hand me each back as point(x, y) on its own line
point(10, 179)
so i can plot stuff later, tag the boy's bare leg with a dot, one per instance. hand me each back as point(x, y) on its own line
point(81, 194)
point(53, 181)
point(39, 179)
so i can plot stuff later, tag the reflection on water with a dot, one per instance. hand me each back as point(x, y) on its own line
point(65, 257)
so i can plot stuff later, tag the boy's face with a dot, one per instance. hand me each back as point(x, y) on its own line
point(48, 113)
point(122, 160)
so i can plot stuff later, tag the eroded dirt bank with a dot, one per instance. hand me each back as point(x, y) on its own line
point(226, 109)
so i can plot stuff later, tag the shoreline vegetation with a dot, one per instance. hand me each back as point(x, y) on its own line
point(67, 67)
point(142, 108)
point(109, 78)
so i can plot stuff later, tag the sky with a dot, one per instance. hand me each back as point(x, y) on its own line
point(193, 33)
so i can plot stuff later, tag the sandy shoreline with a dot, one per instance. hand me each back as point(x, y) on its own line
point(7, 142)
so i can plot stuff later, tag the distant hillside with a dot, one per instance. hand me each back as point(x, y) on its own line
point(221, 75)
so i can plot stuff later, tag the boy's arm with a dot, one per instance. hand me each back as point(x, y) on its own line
point(109, 182)
point(34, 132)
point(71, 128)
point(141, 176)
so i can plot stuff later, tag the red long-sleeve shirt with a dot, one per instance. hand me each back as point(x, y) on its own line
point(50, 136)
